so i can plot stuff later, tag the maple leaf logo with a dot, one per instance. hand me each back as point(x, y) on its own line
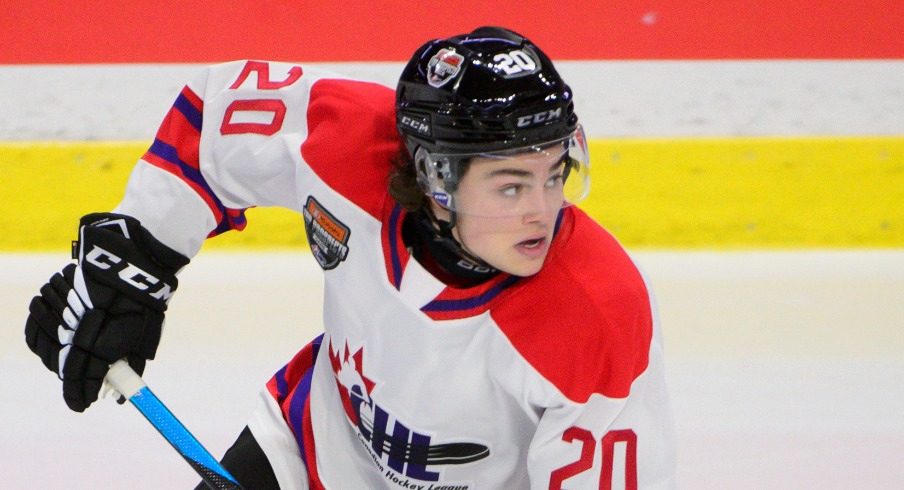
point(354, 387)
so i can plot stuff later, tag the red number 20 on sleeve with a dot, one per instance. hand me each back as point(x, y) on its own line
point(577, 435)
point(275, 107)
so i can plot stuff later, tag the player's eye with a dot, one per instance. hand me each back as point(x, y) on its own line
point(511, 190)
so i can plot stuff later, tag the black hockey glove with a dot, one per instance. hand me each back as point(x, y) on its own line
point(108, 307)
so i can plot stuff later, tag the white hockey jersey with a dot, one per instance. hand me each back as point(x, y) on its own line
point(545, 382)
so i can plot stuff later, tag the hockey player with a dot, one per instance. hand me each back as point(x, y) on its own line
point(480, 331)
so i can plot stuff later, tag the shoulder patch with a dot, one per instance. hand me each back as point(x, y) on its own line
point(327, 236)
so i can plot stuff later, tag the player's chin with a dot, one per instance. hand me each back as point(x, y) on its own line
point(524, 266)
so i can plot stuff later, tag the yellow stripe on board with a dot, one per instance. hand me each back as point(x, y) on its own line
point(721, 193)
point(751, 192)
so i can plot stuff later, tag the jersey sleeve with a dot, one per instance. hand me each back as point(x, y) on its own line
point(609, 442)
point(588, 327)
point(233, 140)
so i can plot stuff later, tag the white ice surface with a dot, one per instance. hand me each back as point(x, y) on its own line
point(786, 369)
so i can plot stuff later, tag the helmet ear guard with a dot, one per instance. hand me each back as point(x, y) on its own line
point(438, 177)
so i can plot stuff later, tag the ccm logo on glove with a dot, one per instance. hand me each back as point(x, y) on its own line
point(108, 307)
point(130, 273)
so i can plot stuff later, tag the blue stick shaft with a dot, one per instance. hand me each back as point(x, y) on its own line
point(128, 383)
point(183, 441)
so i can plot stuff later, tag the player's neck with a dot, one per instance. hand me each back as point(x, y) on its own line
point(441, 255)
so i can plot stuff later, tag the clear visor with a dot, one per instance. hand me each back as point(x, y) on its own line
point(517, 182)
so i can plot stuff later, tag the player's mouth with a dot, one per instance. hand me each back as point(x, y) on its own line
point(532, 247)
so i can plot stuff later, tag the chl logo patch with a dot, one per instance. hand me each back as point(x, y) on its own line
point(443, 67)
point(399, 452)
point(327, 236)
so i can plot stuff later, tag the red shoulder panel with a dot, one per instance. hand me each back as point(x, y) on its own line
point(584, 321)
point(352, 139)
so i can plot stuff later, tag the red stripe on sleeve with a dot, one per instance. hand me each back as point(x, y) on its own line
point(177, 171)
point(311, 453)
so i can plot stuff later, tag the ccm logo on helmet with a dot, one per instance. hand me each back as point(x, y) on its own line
point(417, 125)
point(540, 117)
point(130, 273)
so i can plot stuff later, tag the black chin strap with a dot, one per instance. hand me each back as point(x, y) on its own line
point(436, 237)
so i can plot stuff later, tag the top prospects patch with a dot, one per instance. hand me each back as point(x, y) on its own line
point(443, 67)
point(327, 236)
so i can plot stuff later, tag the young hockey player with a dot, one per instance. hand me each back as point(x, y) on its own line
point(480, 331)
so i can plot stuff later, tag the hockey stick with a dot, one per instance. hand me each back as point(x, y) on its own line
point(130, 385)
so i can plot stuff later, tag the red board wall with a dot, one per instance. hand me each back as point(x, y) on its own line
point(177, 31)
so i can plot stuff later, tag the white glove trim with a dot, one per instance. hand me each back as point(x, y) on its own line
point(65, 335)
point(76, 304)
point(81, 288)
point(64, 353)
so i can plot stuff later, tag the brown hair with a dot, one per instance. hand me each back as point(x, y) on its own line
point(403, 186)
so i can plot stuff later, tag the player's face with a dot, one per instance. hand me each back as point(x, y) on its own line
point(517, 243)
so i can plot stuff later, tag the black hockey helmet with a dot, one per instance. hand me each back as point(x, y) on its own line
point(491, 89)
point(480, 94)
